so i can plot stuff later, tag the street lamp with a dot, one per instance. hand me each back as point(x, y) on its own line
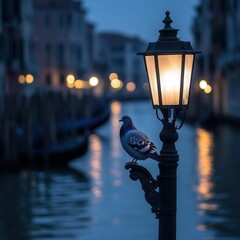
point(169, 65)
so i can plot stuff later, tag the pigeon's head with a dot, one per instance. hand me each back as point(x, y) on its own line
point(127, 121)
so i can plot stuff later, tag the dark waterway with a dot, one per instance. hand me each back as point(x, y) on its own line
point(95, 199)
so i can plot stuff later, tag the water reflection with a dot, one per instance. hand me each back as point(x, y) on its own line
point(95, 163)
point(116, 169)
point(103, 203)
point(218, 173)
point(205, 164)
point(116, 111)
point(36, 205)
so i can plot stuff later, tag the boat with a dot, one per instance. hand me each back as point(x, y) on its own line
point(40, 153)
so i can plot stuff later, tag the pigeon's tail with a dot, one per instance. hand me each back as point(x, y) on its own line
point(154, 156)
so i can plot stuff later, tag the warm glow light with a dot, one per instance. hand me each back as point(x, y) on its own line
point(113, 76)
point(70, 79)
point(70, 85)
point(202, 84)
point(79, 84)
point(21, 79)
point(174, 72)
point(170, 78)
point(187, 78)
point(29, 78)
point(116, 84)
point(93, 81)
point(131, 86)
point(95, 164)
point(116, 111)
point(115, 149)
point(205, 168)
point(208, 206)
point(208, 89)
point(150, 64)
point(201, 227)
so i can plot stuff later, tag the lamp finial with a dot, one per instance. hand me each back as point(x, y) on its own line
point(168, 33)
point(167, 20)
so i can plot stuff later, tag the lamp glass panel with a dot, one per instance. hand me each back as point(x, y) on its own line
point(187, 78)
point(170, 78)
point(151, 70)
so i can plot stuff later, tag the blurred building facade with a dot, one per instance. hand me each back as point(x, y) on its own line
point(216, 32)
point(119, 53)
point(2, 65)
point(49, 39)
point(230, 59)
point(16, 41)
point(62, 41)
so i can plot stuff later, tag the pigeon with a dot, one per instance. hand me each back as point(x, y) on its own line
point(135, 142)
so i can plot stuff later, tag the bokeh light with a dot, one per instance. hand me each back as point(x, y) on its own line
point(131, 86)
point(79, 84)
point(70, 79)
point(29, 78)
point(116, 84)
point(208, 89)
point(203, 84)
point(21, 79)
point(93, 81)
point(113, 76)
point(70, 85)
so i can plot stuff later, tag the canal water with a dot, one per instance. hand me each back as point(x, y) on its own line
point(94, 199)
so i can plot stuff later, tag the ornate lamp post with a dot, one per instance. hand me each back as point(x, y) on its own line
point(169, 65)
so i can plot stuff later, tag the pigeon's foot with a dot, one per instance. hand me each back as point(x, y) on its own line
point(134, 161)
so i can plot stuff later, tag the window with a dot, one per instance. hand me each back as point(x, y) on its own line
point(60, 54)
point(11, 10)
point(79, 55)
point(48, 79)
point(48, 51)
point(47, 21)
point(62, 79)
point(118, 48)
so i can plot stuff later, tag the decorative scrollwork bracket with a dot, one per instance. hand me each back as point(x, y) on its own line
point(149, 185)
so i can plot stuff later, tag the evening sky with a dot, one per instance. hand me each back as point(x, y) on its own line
point(142, 18)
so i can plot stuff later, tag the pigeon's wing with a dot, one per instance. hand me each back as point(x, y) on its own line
point(140, 142)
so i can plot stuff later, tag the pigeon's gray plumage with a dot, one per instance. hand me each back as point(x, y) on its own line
point(135, 142)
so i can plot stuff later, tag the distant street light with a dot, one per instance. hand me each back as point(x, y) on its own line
point(21, 79)
point(113, 76)
point(28, 79)
point(79, 84)
point(203, 84)
point(208, 89)
point(93, 81)
point(70, 79)
point(116, 84)
point(169, 65)
point(131, 86)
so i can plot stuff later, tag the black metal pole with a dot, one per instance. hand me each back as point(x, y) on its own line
point(168, 182)
point(163, 201)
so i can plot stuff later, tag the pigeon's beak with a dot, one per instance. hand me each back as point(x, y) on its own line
point(120, 120)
